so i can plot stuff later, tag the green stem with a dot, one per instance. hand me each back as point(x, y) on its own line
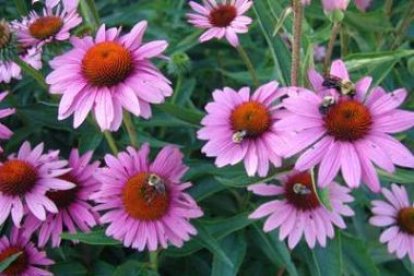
point(249, 64)
point(297, 32)
point(21, 7)
point(27, 68)
point(133, 137)
point(153, 257)
point(111, 142)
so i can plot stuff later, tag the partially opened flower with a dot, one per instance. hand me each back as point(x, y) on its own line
point(332, 5)
point(74, 211)
point(54, 24)
point(297, 212)
point(145, 203)
point(396, 215)
point(24, 180)
point(5, 132)
point(343, 128)
point(9, 49)
point(107, 74)
point(221, 19)
point(31, 261)
point(240, 127)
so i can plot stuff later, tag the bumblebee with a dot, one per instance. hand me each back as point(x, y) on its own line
point(155, 186)
point(301, 189)
point(327, 102)
point(345, 87)
point(239, 136)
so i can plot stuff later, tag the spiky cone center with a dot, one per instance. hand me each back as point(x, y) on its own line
point(142, 201)
point(45, 27)
point(222, 15)
point(5, 34)
point(64, 198)
point(300, 193)
point(17, 177)
point(348, 120)
point(107, 64)
point(18, 266)
point(251, 117)
point(405, 220)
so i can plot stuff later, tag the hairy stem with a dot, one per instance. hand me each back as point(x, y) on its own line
point(133, 137)
point(153, 257)
point(111, 142)
point(249, 64)
point(297, 32)
point(335, 30)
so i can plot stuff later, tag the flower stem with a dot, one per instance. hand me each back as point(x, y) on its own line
point(133, 137)
point(249, 64)
point(177, 88)
point(111, 142)
point(94, 11)
point(153, 257)
point(297, 32)
point(27, 68)
point(335, 30)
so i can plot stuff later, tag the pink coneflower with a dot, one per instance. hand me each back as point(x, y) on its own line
point(24, 180)
point(348, 132)
point(241, 127)
point(74, 209)
point(298, 212)
point(397, 215)
point(30, 262)
point(107, 74)
point(5, 132)
point(145, 203)
point(54, 24)
point(221, 19)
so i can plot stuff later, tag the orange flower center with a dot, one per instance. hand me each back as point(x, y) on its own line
point(300, 193)
point(143, 201)
point(17, 177)
point(222, 15)
point(107, 64)
point(45, 27)
point(348, 120)
point(64, 198)
point(405, 220)
point(18, 266)
point(251, 117)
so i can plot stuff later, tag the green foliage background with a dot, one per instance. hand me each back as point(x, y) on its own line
point(378, 43)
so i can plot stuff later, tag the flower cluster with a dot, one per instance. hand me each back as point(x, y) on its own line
point(313, 144)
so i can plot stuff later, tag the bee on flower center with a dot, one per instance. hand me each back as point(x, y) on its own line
point(301, 189)
point(327, 102)
point(345, 87)
point(155, 186)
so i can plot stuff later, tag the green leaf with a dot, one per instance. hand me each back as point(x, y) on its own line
point(368, 60)
point(279, 51)
point(7, 262)
point(133, 268)
point(234, 246)
point(370, 22)
point(401, 176)
point(69, 269)
point(357, 260)
point(328, 260)
point(187, 115)
point(206, 239)
point(95, 237)
point(274, 249)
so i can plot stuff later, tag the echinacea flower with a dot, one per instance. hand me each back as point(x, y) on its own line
point(5, 132)
point(109, 73)
point(24, 180)
point(241, 127)
point(145, 203)
point(348, 131)
point(74, 211)
point(396, 215)
point(54, 24)
point(222, 19)
point(297, 211)
point(9, 49)
point(31, 261)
